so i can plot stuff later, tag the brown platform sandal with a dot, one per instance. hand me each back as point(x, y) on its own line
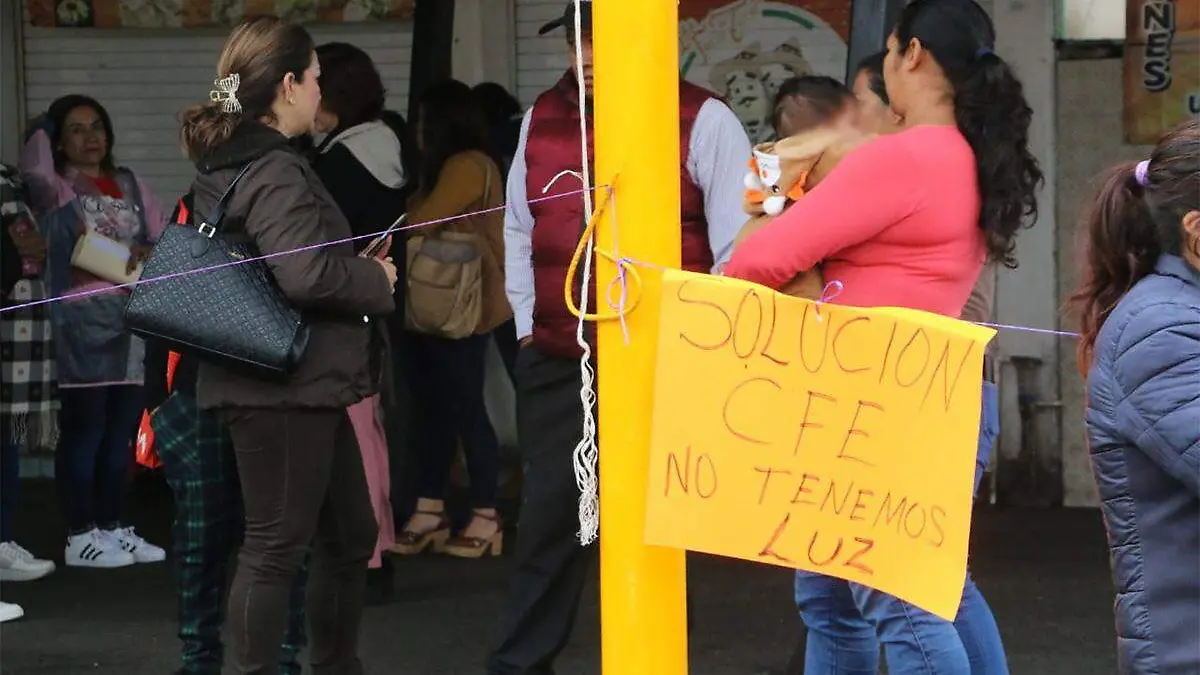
point(477, 547)
point(416, 543)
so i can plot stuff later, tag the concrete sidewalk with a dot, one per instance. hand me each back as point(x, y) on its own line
point(1045, 573)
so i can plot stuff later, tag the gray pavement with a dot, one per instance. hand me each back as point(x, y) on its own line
point(1045, 573)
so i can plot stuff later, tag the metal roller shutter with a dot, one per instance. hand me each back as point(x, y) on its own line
point(145, 77)
point(541, 59)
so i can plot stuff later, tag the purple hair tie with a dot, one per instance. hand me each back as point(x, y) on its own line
point(1140, 173)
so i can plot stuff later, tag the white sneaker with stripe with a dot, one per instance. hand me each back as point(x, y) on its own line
point(94, 549)
point(127, 540)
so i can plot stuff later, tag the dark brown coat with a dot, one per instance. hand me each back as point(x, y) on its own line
point(281, 205)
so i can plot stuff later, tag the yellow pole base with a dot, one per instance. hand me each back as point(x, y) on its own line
point(642, 588)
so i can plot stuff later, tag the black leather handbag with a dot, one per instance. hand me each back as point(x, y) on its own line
point(206, 295)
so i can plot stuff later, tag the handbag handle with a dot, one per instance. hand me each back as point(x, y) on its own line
point(208, 226)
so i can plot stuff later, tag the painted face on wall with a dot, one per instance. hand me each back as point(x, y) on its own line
point(773, 75)
point(748, 97)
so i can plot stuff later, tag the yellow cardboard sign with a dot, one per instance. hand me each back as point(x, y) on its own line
point(826, 438)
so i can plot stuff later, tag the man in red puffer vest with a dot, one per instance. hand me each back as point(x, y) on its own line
point(540, 239)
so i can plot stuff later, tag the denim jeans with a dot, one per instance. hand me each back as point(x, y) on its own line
point(447, 381)
point(94, 454)
point(847, 622)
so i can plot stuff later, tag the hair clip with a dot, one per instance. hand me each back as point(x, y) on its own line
point(226, 93)
point(982, 52)
point(1141, 173)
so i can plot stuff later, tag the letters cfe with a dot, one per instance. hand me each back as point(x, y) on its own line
point(826, 438)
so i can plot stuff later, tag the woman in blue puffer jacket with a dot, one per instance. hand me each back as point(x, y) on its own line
point(1140, 350)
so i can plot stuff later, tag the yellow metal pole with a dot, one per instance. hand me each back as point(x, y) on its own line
point(642, 588)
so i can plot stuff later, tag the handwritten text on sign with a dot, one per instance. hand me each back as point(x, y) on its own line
point(832, 439)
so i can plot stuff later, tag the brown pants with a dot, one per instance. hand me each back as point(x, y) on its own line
point(304, 489)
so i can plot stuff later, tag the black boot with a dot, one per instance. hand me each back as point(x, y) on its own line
point(381, 583)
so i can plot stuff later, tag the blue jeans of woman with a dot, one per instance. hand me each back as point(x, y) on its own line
point(847, 622)
point(446, 378)
point(95, 452)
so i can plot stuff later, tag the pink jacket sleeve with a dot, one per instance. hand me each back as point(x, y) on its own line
point(873, 188)
point(47, 189)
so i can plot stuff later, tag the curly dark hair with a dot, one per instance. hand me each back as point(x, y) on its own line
point(991, 111)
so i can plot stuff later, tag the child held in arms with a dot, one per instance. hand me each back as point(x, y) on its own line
point(816, 120)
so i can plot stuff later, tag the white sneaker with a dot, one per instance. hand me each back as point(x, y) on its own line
point(94, 549)
point(9, 611)
point(141, 550)
point(17, 564)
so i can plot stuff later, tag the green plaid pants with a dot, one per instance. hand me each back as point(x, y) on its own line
point(201, 468)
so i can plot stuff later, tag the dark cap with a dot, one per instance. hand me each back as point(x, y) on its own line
point(567, 20)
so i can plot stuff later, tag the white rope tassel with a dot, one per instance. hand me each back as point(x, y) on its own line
point(586, 453)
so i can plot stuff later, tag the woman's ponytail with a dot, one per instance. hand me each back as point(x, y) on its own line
point(1136, 217)
point(204, 128)
point(1120, 247)
point(994, 117)
point(256, 57)
point(991, 112)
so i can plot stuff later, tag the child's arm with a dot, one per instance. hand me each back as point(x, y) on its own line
point(754, 224)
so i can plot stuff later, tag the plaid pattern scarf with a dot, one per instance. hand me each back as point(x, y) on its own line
point(28, 385)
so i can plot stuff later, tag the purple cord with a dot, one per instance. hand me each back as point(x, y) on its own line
point(174, 275)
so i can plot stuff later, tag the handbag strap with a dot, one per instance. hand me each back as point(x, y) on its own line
point(208, 227)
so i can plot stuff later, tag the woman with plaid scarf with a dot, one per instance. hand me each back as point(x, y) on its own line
point(28, 392)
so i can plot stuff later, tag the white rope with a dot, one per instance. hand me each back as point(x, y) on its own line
point(586, 453)
point(560, 174)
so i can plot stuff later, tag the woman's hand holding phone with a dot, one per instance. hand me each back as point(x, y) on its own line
point(378, 248)
point(381, 245)
point(389, 268)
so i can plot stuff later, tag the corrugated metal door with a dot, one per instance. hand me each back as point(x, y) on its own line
point(541, 59)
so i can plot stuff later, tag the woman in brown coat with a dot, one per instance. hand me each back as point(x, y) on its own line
point(457, 176)
point(298, 459)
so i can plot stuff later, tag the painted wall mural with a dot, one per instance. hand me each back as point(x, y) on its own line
point(745, 49)
point(203, 13)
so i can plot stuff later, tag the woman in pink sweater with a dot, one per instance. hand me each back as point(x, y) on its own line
point(908, 220)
